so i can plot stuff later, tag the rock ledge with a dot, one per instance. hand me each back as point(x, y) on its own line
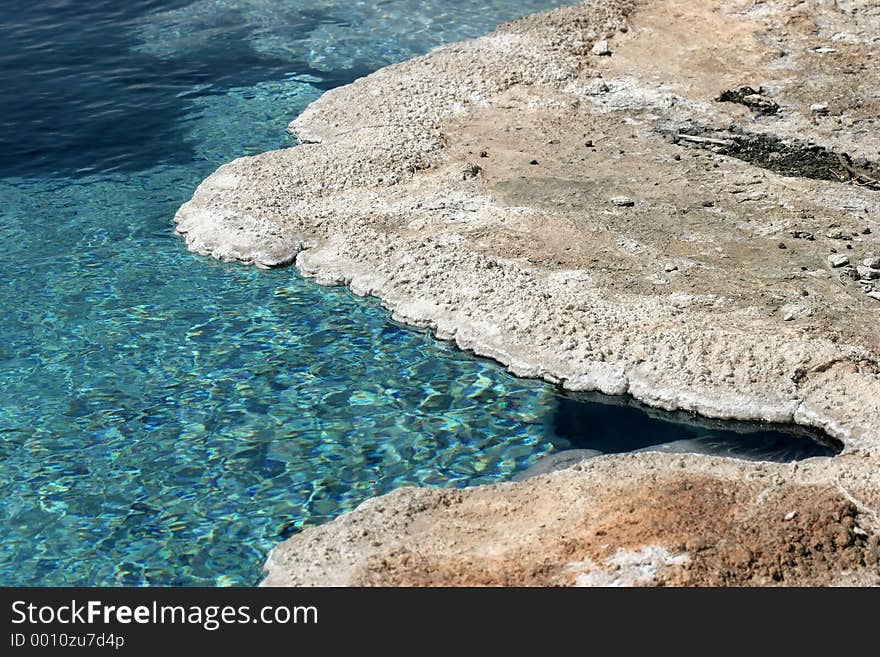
point(479, 190)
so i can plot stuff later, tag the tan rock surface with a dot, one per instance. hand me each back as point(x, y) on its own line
point(613, 520)
point(603, 222)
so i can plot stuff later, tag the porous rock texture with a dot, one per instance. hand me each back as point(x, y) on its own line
point(600, 219)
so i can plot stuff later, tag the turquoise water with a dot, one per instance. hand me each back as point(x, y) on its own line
point(166, 419)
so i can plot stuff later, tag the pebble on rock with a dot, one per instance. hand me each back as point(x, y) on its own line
point(601, 48)
point(838, 260)
point(761, 103)
point(868, 273)
point(850, 273)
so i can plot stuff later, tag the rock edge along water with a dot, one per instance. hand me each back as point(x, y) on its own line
point(473, 190)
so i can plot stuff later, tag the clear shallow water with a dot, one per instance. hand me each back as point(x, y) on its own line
point(164, 418)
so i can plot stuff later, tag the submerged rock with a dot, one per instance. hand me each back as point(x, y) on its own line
point(557, 461)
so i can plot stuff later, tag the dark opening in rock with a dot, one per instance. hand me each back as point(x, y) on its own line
point(589, 421)
point(787, 157)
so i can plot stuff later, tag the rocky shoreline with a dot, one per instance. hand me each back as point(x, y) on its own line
point(672, 200)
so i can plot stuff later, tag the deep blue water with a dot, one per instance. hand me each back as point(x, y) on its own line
point(165, 419)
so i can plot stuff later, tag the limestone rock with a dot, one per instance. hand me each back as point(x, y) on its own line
point(601, 48)
point(534, 267)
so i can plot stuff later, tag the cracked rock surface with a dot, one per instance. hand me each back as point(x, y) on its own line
point(605, 222)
